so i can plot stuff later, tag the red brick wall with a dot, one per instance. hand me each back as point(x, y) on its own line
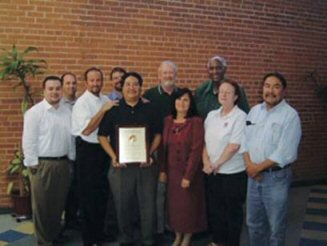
point(254, 36)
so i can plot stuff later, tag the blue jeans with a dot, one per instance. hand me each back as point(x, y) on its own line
point(267, 208)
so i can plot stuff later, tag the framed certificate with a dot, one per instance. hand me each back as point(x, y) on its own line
point(132, 144)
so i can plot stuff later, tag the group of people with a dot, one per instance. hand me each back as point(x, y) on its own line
point(207, 153)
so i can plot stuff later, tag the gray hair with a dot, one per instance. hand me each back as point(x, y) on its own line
point(169, 63)
point(222, 60)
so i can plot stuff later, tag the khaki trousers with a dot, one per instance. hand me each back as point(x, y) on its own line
point(49, 186)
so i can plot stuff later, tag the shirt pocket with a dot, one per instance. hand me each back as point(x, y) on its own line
point(276, 133)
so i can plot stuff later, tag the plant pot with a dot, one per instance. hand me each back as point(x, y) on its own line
point(22, 205)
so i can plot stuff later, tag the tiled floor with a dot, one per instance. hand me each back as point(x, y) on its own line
point(307, 223)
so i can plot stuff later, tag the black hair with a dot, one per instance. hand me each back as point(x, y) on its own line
point(117, 69)
point(277, 75)
point(67, 73)
point(192, 110)
point(93, 69)
point(133, 74)
point(51, 77)
point(237, 90)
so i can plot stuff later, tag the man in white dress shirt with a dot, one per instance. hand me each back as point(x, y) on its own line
point(91, 160)
point(48, 147)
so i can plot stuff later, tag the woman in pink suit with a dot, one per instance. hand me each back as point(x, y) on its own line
point(181, 169)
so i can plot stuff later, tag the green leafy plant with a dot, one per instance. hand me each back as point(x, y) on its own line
point(16, 68)
point(16, 168)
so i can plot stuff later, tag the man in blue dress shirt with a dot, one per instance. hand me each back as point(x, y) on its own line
point(272, 136)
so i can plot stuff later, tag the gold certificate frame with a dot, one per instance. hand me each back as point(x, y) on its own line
point(132, 144)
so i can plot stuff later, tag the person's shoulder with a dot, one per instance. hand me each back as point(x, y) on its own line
point(203, 86)
point(150, 92)
point(168, 118)
point(196, 120)
point(104, 98)
point(81, 99)
point(290, 110)
point(240, 112)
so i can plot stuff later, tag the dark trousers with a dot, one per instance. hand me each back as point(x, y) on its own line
point(92, 166)
point(111, 224)
point(72, 202)
point(226, 196)
point(135, 187)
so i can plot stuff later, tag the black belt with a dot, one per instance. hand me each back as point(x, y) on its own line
point(46, 158)
point(276, 168)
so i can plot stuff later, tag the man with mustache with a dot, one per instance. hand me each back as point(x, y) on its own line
point(115, 76)
point(48, 148)
point(206, 94)
point(134, 184)
point(91, 160)
point(162, 97)
point(272, 136)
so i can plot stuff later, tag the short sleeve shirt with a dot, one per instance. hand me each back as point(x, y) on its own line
point(140, 114)
point(221, 131)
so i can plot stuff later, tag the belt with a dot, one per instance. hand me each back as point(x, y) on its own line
point(276, 168)
point(46, 158)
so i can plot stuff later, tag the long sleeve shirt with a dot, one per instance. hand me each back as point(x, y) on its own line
point(47, 133)
point(272, 134)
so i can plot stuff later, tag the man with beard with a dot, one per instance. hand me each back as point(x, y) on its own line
point(91, 160)
point(272, 136)
point(115, 76)
point(48, 149)
point(162, 97)
point(206, 94)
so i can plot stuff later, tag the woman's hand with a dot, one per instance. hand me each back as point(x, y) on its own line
point(185, 183)
point(207, 169)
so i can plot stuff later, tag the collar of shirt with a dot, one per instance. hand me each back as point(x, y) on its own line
point(278, 106)
point(91, 96)
point(227, 116)
point(124, 104)
point(161, 90)
point(211, 88)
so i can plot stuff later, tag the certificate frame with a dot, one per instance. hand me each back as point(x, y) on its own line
point(132, 144)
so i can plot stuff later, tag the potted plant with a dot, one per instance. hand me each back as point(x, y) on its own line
point(21, 195)
point(320, 88)
point(16, 68)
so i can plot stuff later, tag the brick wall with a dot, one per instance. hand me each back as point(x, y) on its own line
point(254, 36)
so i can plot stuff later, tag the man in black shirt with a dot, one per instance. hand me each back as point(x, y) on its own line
point(133, 182)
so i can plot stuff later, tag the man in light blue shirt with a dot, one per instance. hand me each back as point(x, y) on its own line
point(115, 76)
point(272, 136)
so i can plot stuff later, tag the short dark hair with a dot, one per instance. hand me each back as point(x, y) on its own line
point(117, 69)
point(51, 77)
point(192, 110)
point(93, 69)
point(277, 75)
point(67, 73)
point(132, 74)
point(237, 89)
